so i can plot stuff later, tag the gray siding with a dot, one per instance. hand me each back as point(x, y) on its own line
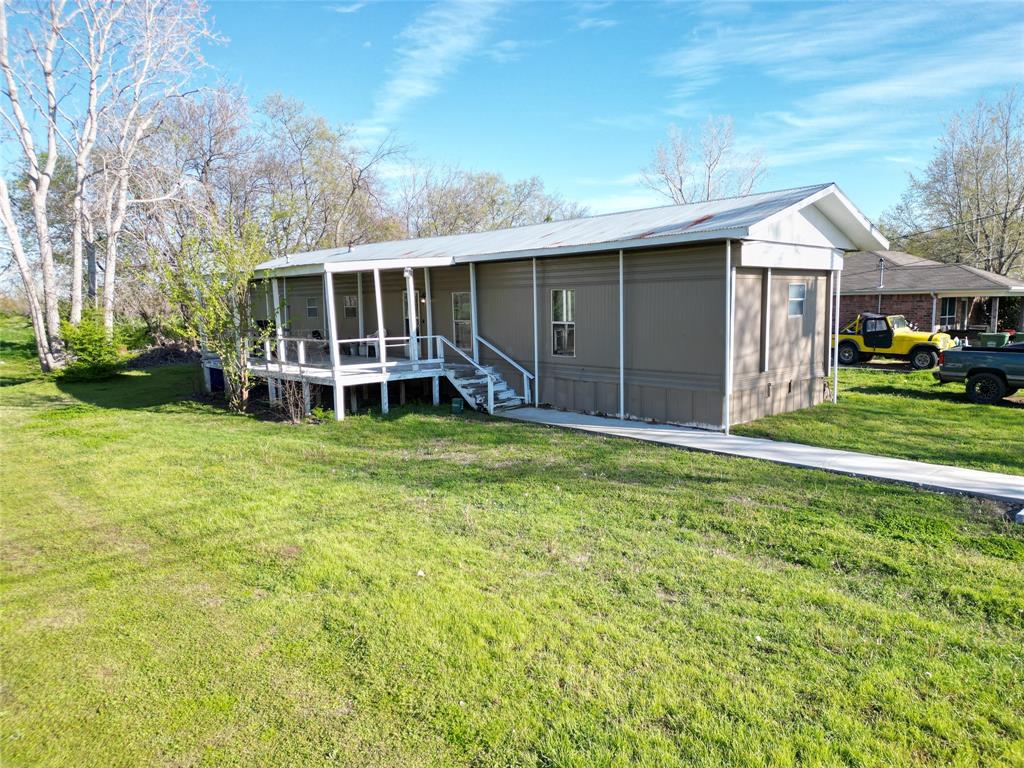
point(674, 337)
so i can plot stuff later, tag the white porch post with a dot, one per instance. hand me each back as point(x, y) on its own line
point(430, 307)
point(332, 318)
point(410, 310)
point(835, 336)
point(536, 342)
point(382, 353)
point(278, 331)
point(993, 324)
point(622, 342)
point(935, 300)
point(472, 311)
point(306, 405)
point(766, 321)
point(359, 305)
point(332, 339)
point(730, 274)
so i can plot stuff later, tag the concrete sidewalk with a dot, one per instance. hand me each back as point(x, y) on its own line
point(937, 477)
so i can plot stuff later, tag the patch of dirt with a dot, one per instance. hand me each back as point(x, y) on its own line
point(157, 356)
point(59, 618)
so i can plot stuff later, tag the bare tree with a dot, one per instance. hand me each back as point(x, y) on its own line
point(688, 170)
point(447, 201)
point(87, 78)
point(968, 204)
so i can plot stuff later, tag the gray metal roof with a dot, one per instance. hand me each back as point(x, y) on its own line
point(715, 219)
point(906, 273)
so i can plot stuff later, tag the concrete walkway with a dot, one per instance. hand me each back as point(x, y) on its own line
point(937, 477)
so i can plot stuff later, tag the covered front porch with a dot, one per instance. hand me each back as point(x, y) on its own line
point(332, 329)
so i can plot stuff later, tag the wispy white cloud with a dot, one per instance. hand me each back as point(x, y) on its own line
point(856, 90)
point(431, 49)
point(505, 51)
point(591, 15)
point(592, 23)
point(346, 8)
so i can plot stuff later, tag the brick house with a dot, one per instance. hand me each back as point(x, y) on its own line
point(930, 294)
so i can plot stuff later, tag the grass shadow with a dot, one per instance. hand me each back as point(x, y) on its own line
point(922, 394)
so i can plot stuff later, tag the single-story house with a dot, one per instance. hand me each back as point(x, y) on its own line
point(708, 314)
point(930, 294)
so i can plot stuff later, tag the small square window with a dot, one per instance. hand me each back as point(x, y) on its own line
point(312, 308)
point(350, 307)
point(797, 296)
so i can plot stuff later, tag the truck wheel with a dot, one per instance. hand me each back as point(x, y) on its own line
point(923, 358)
point(848, 354)
point(985, 388)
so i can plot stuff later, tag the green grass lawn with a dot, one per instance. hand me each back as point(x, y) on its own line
point(908, 415)
point(185, 587)
point(18, 360)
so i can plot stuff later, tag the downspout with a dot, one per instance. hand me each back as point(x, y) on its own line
point(536, 346)
point(835, 330)
point(727, 378)
point(622, 343)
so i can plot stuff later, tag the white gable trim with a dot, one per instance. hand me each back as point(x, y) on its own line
point(838, 210)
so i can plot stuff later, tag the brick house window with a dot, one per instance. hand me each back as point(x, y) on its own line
point(947, 313)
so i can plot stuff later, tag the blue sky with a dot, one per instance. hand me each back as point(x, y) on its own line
point(579, 93)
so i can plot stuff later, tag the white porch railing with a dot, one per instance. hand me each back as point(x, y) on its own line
point(291, 355)
point(527, 376)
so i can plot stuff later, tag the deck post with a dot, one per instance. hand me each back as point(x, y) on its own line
point(306, 407)
point(536, 343)
point(622, 342)
point(359, 305)
point(766, 320)
point(435, 390)
point(384, 407)
point(353, 401)
point(278, 330)
point(411, 310)
point(472, 311)
point(835, 333)
point(332, 319)
point(730, 273)
point(271, 389)
point(339, 399)
point(430, 311)
point(382, 353)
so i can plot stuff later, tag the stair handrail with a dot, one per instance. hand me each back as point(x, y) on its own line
point(527, 376)
point(480, 369)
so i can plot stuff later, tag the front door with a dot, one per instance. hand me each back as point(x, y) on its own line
point(877, 333)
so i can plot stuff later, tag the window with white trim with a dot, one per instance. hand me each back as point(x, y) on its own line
point(350, 307)
point(947, 313)
point(797, 297)
point(462, 319)
point(563, 322)
point(312, 307)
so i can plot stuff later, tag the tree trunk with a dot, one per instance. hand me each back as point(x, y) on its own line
point(109, 275)
point(94, 284)
point(47, 360)
point(76, 263)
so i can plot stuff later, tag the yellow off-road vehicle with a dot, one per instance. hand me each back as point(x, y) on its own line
point(870, 334)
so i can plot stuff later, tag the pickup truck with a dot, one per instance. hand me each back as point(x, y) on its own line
point(991, 373)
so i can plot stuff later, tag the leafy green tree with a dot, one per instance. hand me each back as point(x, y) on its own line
point(211, 282)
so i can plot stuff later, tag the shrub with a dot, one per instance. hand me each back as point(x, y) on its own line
point(132, 335)
point(93, 355)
